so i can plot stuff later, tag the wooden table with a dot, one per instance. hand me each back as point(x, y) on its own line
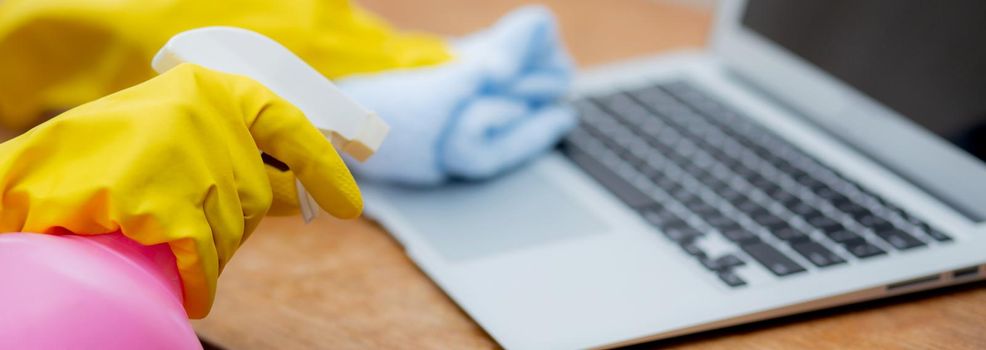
point(348, 285)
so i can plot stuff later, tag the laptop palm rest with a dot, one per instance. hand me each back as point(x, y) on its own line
point(467, 220)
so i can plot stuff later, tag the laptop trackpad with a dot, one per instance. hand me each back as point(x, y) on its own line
point(468, 220)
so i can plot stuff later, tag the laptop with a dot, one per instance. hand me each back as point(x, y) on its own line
point(818, 153)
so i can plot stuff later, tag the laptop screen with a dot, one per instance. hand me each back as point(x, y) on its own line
point(924, 59)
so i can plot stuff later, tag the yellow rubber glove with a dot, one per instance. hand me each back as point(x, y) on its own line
point(173, 160)
point(57, 54)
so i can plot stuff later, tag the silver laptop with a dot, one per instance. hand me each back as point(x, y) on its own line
point(818, 153)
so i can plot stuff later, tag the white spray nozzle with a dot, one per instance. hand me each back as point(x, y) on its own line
point(350, 127)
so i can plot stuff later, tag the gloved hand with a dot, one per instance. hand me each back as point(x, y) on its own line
point(173, 160)
point(495, 105)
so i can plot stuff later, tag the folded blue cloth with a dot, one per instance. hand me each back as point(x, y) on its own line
point(497, 104)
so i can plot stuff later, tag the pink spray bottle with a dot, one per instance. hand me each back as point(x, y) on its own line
point(90, 292)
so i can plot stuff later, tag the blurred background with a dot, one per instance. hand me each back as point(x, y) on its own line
point(584, 29)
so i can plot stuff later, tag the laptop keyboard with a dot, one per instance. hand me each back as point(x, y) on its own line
point(694, 167)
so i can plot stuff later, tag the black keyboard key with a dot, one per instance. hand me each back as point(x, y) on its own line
point(748, 206)
point(783, 165)
point(828, 230)
point(694, 170)
point(652, 173)
point(724, 262)
point(622, 106)
point(803, 209)
point(693, 249)
point(863, 249)
point(825, 224)
point(711, 181)
point(740, 235)
point(664, 219)
point(760, 182)
point(651, 127)
point(796, 173)
point(676, 158)
point(702, 208)
point(634, 156)
point(666, 184)
point(937, 235)
point(913, 220)
point(821, 221)
point(811, 214)
point(853, 209)
point(927, 229)
point(787, 199)
point(744, 171)
point(683, 195)
point(766, 218)
point(772, 157)
point(738, 199)
point(723, 158)
point(788, 233)
point(608, 133)
point(731, 279)
point(714, 183)
point(628, 193)
point(810, 182)
point(883, 202)
point(772, 259)
point(729, 261)
point(720, 222)
point(591, 115)
point(900, 239)
point(827, 193)
point(843, 236)
point(730, 194)
point(859, 216)
point(776, 225)
point(817, 254)
point(680, 234)
point(673, 224)
point(876, 223)
point(771, 189)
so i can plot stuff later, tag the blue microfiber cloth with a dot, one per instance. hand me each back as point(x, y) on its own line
point(497, 104)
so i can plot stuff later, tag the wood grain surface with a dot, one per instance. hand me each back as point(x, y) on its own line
point(347, 285)
point(6, 134)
